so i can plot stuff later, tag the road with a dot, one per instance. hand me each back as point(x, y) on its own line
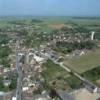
point(20, 78)
point(89, 85)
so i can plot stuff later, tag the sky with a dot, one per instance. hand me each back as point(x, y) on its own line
point(50, 7)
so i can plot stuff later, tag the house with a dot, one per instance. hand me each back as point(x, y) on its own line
point(5, 95)
point(6, 70)
point(25, 88)
point(14, 98)
point(6, 82)
point(38, 58)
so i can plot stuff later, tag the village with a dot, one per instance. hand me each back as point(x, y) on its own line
point(31, 61)
point(41, 65)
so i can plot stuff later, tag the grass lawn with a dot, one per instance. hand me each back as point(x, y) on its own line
point(84, 63)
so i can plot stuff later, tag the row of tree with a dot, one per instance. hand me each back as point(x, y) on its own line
point(67, 47)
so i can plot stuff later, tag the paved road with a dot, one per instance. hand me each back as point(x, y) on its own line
point(20, 78)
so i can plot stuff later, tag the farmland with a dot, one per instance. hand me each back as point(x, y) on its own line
point(58, 78)
point(54, 73)
point(85, 62)
point(93, 75)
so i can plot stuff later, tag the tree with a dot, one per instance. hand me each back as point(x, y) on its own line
point(13, 84)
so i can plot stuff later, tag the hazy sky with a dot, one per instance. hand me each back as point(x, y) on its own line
point(50, 7)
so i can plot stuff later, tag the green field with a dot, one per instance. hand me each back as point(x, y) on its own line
point(93, 75)
point(55, 74)
point(57, 77)
point(86, 62)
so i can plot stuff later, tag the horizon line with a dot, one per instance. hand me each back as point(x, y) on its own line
point(50, 15)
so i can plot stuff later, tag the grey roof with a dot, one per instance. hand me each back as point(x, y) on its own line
point(64, 95)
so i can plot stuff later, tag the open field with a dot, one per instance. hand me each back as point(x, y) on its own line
point(58, 78)
point(52, 21)
point(91, 24)
point(55, 74)
point(84, 94)
point(84, 63)
point(56, 26)
point(93, 75)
